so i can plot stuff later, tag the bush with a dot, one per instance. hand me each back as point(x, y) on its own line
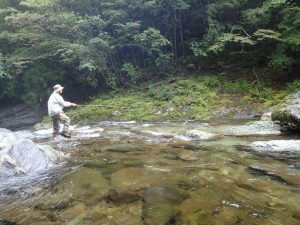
point(211, 81)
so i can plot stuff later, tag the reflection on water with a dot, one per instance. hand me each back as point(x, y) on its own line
point(156, 174)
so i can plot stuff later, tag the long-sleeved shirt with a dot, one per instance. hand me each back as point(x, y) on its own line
point(56, 104)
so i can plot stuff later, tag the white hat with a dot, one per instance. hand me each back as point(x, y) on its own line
point(57, 88)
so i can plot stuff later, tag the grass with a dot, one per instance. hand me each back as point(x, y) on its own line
point(181, 98)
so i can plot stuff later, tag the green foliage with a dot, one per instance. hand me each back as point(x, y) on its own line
point(151, 40)
point(37, 83)
point(7, 82)
point(101, 45)
point(293, 86)
point(211, 81)
point(132, 72)
point(263, 34)
point(250, 90)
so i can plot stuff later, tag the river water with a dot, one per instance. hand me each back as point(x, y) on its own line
point(157, 173)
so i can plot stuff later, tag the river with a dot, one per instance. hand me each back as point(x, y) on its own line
point(158, 173)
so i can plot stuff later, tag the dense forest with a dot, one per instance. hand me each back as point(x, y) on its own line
point(93, 46)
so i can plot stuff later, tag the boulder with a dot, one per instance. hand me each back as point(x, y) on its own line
point(7, 138)
point(20, 116)
point(32, 157)
point(288, 113)
point(25, 157)
point(276, 148)
point(266, 116)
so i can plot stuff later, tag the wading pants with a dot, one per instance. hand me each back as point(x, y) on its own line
point(64, 119)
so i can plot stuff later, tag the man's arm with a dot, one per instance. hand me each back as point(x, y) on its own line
point(64, 103)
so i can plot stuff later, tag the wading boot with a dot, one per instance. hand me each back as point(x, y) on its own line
point(55, 134)
point(65, 134)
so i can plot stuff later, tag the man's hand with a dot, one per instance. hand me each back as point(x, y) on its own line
point(73, 104)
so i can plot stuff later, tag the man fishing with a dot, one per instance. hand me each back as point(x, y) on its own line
point(56, 103)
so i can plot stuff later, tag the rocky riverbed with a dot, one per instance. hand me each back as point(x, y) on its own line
point(225, 172)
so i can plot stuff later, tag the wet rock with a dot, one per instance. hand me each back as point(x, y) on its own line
point(160, 204)
point(96, 164)
point(124, 196)
point(185, 145)
point(226, 216)
point(279, 173)
point(159, 214)
point(7, 138)
point(266, 116)
point(135, 177)
point(296, 214)
point(164, 195)
point(86, 184)
point(200, 135)
point(73, 212)
point(133, 162)
point(42, 126)
point(9, 167)
point(6, 222)
point(288, 113)
point(198, 201)
point(188, 155)
point(275, 148)
point(255, 185)
point(31, 157)
point(257, 128)
point(55, 201)
point(123, 148)
point(24, 157)
point(44, 223)
point(20, 116)
point(125, 214)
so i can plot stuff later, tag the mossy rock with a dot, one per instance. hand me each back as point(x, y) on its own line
point(289, 119)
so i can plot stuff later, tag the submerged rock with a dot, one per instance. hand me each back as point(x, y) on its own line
point(6, 222)
point(124, 196)
point(185, 145)
point(122, 148)
point(188, 155)
point(278, 173)
point(160, 205)
point(86, 184)
point(296, 214)
point(201, 135)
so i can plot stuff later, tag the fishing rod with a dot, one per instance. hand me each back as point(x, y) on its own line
point(108, 106)
point(92, 105)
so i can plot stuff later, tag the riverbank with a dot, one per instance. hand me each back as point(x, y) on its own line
point(205, 96)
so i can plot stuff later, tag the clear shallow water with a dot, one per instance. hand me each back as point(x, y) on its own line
point(157, 173)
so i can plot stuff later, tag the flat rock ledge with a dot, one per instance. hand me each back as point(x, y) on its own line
point(276, 148)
